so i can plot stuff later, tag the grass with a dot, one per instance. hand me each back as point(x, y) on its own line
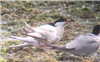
point(38, 13)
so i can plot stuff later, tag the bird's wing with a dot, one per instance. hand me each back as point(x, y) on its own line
point(55, 41)
point(36, 35)
point(83, 42)
point(79, 44)
point(45, 32)
point(50, 32)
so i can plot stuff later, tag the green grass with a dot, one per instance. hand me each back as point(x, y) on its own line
point(38, 13)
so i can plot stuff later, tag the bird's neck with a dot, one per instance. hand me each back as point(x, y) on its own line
point(60, 31)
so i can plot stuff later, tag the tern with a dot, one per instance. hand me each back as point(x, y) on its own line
point(84, 45)
point(32, 40)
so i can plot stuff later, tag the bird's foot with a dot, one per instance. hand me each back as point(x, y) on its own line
point(44, 45)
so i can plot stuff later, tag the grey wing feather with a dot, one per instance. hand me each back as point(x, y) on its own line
point(82, 42)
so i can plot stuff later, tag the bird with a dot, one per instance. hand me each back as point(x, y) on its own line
point(82, 46)
point(30, 41)
point(45, 33)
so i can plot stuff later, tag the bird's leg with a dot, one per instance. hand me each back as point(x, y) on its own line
point(40, 44)
point(46, 44)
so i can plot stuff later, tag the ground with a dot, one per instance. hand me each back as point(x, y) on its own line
point(37, 13)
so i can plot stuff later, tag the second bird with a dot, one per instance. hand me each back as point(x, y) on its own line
point(84, 45)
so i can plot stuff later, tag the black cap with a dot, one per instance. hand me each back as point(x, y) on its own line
point(52, 24)
point(96, 30)
point(61, 20)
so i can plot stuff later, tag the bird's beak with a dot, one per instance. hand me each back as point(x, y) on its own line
point(70, 20)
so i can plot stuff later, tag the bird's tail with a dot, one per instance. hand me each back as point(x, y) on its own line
point(31, 28)
point(7, 39)
point(29, 41)
point(57, 47)
point(21, 45)
point(26, 39)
